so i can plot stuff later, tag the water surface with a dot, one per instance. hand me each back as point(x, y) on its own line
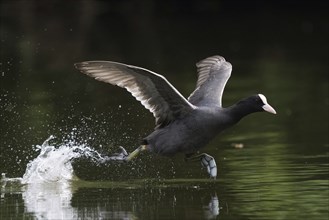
point(270, 167)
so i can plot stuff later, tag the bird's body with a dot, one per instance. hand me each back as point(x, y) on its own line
point(182, 125)
point(183, 135)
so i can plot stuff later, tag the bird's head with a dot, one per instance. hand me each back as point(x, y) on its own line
point(254, 103)
point(258, 103)
point(264, 105)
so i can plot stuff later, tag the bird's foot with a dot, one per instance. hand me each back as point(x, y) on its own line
point(207, 161)
point(121, 156)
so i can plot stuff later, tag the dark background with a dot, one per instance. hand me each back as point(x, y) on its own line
point(278, 48)
point(42, 94)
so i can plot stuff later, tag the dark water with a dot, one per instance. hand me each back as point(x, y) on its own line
point(270, 166)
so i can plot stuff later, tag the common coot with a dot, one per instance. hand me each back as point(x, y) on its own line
point(182, 125)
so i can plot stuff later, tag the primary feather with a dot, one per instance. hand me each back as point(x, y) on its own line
point(151, 89)
point(213, 74)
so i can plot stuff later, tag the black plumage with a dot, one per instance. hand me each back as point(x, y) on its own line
point(182, 125)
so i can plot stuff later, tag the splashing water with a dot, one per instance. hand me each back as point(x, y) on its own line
point(46, 184)
point(54, 163)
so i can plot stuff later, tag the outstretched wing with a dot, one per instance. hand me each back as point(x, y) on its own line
point(213, 73)
point(151, 89)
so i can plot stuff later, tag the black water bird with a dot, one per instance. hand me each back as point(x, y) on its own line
point(182, 125)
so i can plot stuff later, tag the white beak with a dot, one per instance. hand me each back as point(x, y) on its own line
point(269, 108)
point(266, 106)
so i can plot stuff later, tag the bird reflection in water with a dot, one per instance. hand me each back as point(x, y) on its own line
point(213, 209)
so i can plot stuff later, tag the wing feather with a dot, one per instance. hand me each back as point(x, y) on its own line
point(213, 74)
point(151, 89)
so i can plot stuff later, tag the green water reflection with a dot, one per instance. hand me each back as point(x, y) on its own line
point(270, 167)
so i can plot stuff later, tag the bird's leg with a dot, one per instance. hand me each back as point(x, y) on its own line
point(207, 161)
point(133, 154)
point(123, 156)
